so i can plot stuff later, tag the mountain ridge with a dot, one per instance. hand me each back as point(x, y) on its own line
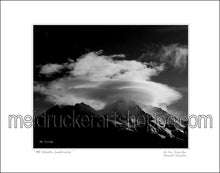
point(119, 128)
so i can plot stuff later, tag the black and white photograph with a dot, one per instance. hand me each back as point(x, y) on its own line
point(110, 86)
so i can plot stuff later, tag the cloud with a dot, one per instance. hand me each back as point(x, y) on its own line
point(117, 56)
point(173, 55)
point(97, 79)
point(100, 67)
point(50, 69)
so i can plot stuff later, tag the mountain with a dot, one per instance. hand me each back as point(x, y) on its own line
point(144, 115)
point(124, 111)
point(123, 107)
point(158, 113)
point(79, 108)
point(81, 126)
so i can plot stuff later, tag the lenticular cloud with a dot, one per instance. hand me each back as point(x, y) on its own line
point(96, 79)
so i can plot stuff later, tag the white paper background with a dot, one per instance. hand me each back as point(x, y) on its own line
point(17, 83)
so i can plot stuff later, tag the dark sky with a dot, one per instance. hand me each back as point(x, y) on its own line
point(57, 43)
